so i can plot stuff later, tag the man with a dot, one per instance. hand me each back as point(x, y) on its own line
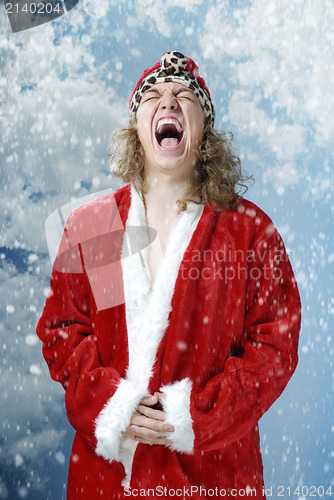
point(171, 354)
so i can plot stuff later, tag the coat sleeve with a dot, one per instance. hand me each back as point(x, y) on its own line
point(256, 373)
point(71, 351)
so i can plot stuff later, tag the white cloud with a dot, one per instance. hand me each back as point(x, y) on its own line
point(285, 141)
point(282, 176)
point(156, 13)
point(54, 127)
point(284, 50)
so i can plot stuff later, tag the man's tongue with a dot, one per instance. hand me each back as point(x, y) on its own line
point(168, 142)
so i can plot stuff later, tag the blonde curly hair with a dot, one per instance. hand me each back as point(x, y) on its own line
point(217, 178)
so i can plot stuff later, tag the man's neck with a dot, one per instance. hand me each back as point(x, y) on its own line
point(162, 194)
point(163, 191)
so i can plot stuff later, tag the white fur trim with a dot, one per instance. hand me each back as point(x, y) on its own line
point(147, 316)
point(176, 405)
point(127, 451)
point(114, 419)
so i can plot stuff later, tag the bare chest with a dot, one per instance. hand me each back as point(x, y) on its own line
point(162, 225)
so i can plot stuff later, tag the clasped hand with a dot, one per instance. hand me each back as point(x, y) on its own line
point(147, 424)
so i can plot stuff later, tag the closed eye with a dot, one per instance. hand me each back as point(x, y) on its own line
point(150, 94)
point(185, 95)
point(150, 98)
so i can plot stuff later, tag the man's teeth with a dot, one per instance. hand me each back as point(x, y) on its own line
point(168, 121)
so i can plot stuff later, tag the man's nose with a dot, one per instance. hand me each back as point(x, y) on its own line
point(169, 101)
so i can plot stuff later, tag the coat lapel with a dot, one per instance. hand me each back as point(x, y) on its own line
point(147, 311)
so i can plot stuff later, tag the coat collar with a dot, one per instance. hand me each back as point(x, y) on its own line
point(147, 310)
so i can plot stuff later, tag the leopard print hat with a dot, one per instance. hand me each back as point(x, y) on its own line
point(174, 67)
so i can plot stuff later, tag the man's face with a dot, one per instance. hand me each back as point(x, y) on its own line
point(170, 124)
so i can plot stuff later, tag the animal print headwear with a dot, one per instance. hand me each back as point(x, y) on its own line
point(174, 67)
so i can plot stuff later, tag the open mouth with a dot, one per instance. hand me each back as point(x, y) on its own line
point(169, 132)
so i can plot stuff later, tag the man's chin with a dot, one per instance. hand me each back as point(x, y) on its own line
point(179, 166)
point(169, 163)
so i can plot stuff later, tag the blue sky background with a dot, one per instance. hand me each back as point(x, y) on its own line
point(63, 86)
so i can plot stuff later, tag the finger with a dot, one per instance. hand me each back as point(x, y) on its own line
point(150, 413)
point(157, 440)
point(149, 423)
point(161, 441)
point(161, 396)
point(150, 400)
point(129, 434)
point(147, 434)
point(135, 432)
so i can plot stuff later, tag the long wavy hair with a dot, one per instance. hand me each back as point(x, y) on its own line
point(217, 178)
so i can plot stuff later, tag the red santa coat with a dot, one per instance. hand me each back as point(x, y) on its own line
point(217, 334)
